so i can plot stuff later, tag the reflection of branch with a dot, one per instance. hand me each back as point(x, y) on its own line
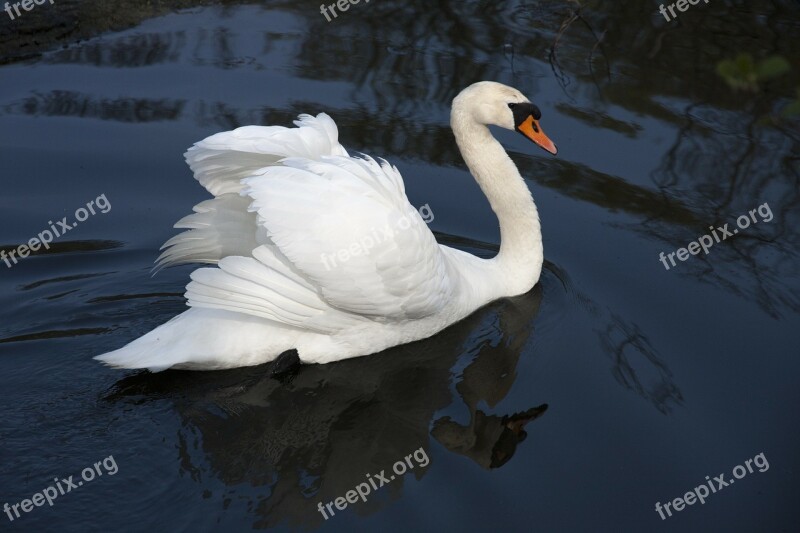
point(598, 44)
point(731, 151)
point(626, 342)
point(553, 55)
point(669, 159)
point(508, 52)
point(563, 81)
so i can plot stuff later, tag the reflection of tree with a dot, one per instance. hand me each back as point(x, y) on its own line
point(315, 437)
point(406, 61)
point(126, 52)
point(73, 104)
point(73, 20)
point(722, 163)
point(752, 165)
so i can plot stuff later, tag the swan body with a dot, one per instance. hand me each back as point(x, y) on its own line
point(287, 203)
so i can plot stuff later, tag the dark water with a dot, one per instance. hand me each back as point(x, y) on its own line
point(653, 379)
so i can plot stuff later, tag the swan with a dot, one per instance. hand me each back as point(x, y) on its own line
point(288, 232)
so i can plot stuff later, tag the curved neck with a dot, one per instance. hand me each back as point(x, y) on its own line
point(519, 261)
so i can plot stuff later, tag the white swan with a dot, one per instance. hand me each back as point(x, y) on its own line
point(287, 199)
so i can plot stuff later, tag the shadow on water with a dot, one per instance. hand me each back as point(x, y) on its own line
point(316, 436)
point(65, 247)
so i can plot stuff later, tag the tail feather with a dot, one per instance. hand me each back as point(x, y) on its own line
point(204, 339)
point(218, 228)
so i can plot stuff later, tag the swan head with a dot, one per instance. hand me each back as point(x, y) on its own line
point(494, 104)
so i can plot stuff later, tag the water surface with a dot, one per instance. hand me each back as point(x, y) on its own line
point(613, 385)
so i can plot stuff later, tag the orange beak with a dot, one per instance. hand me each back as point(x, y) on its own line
point(530, 128)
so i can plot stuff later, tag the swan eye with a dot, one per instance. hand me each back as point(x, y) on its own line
point(512, 105)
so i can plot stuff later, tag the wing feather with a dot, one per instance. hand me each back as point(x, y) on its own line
point(358, 240)
point(314, 239)
point(220, 161)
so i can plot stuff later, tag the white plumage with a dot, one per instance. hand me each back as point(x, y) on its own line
point(322, 252)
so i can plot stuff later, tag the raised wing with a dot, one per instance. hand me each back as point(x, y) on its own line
point(332, 239)
point(221, 161)
point(222, 226)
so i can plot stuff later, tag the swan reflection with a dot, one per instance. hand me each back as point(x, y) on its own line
point(314, 436)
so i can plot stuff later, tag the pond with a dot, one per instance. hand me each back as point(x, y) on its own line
point(645, 384)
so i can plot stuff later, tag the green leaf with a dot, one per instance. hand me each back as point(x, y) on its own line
point(772, 68)
point(792, 109)
point(766, 120)
point(727, 69)
point(745, 64)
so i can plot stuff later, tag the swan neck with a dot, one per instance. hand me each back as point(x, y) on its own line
point(521, 253)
